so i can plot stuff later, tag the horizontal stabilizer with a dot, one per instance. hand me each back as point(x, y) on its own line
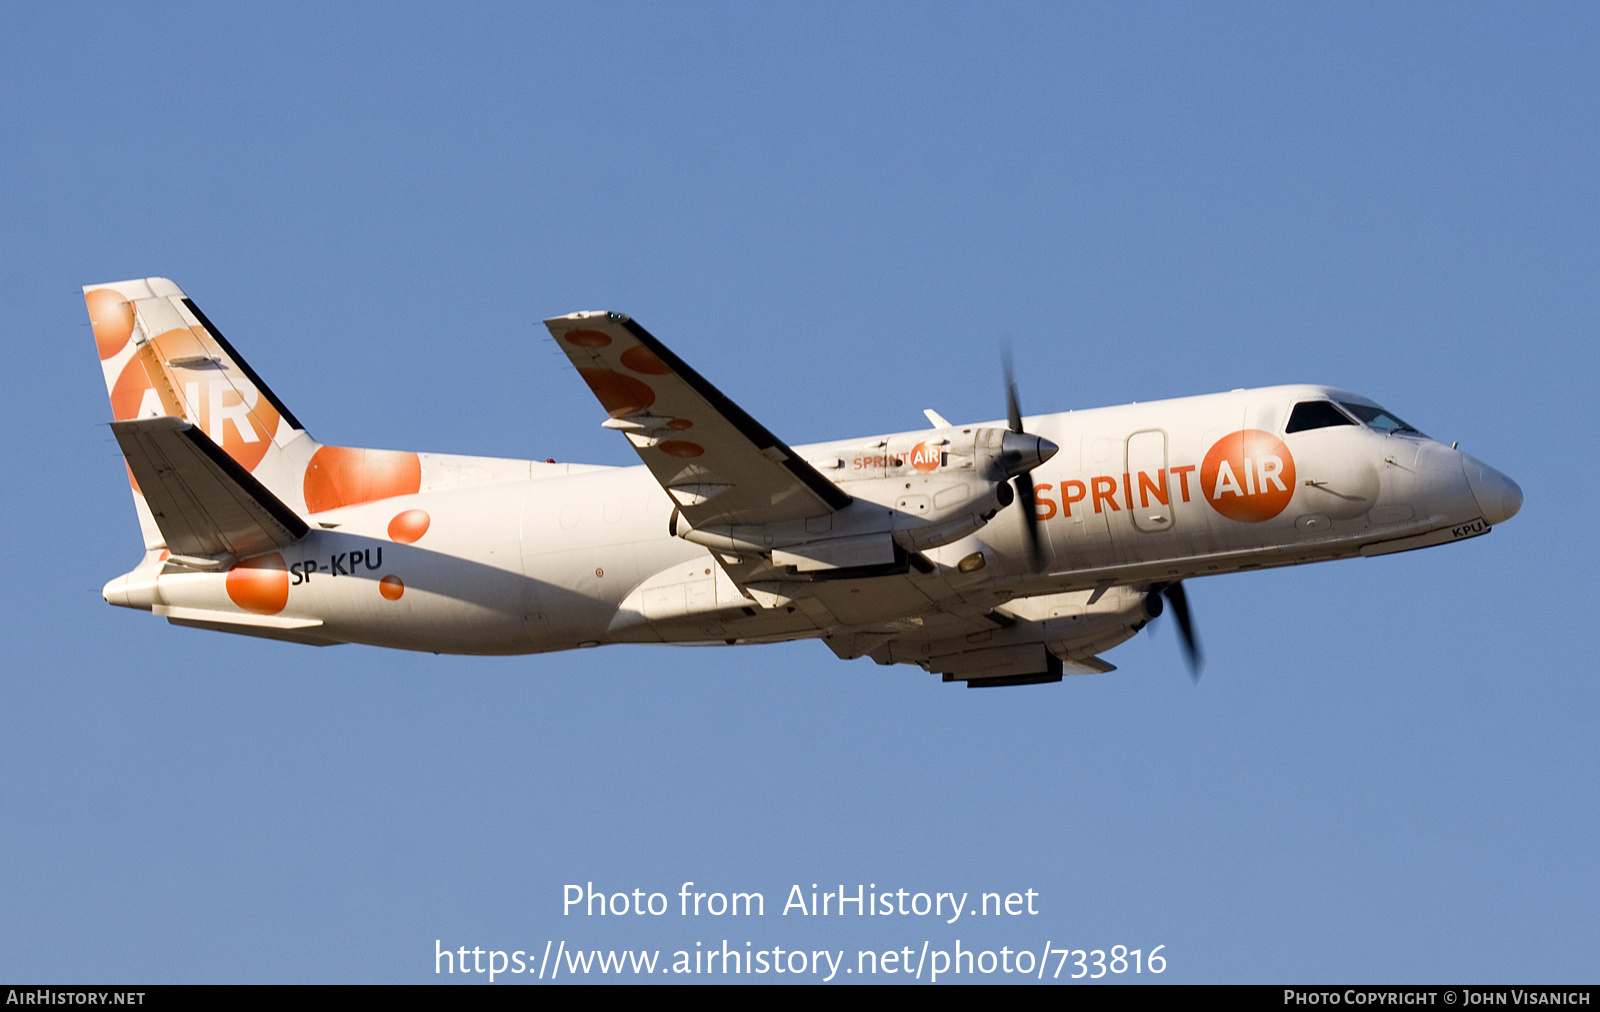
point(1087, 665)
point(270, 627)
point(204, 502)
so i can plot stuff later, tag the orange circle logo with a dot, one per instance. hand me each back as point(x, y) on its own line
point(344, 476)
point(409, 526)
point(1248, 476)
point(619, 395)
point(925, 458)
point(681, 448)
point(260, 585)
point(111, 317)
point(214, 396)
point(642, 359)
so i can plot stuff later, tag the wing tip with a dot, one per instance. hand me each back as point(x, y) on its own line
point(587, 314)
point(140, 288)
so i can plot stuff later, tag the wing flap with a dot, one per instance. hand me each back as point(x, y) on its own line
point(719, 465)
point(204, 502)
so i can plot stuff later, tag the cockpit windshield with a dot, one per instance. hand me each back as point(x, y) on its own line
point(1379, 419)
point(1316, 415)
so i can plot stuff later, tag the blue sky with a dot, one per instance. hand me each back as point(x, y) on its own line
point(835, 213)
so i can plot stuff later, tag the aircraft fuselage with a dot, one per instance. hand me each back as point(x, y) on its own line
point(1137, 494)
point(990, 553)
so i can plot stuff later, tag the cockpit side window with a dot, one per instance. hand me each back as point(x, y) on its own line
point(1316, 415)
point(1379, 419)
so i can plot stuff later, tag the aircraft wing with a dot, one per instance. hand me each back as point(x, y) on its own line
point(204, 502)
point(719, 465)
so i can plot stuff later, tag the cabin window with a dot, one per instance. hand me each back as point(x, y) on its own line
point(1316, 415)
point(1379, 419)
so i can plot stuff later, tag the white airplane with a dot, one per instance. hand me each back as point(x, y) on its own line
point(909, 548)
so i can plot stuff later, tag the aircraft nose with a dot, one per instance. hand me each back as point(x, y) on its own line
point(1498, 496)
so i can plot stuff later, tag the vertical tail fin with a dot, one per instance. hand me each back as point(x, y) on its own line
point(162, 357)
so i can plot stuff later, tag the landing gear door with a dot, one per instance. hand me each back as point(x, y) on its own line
point(1148, 486)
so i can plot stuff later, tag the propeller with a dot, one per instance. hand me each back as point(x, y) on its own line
point(1024, 479)
point(1175, 595)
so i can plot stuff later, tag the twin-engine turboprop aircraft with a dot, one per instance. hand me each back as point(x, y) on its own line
point(909, 548)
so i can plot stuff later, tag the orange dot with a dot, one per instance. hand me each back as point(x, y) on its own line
point(111, 317)
point(343, 476)
point(681, 448)
point(618, 394)
point(642, 359)
point(391, 587)
point(407, 527)
point(680, 423)
point(260, 584)
point(588, 338)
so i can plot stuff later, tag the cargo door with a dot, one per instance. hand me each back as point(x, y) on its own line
point(1147, 486)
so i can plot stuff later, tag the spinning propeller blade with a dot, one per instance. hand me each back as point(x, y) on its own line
point(1024, 479)
point(1179, 600)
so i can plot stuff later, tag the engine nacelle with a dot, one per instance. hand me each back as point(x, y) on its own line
point(918, 492)
point(1052, 635)
point(922, 521)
